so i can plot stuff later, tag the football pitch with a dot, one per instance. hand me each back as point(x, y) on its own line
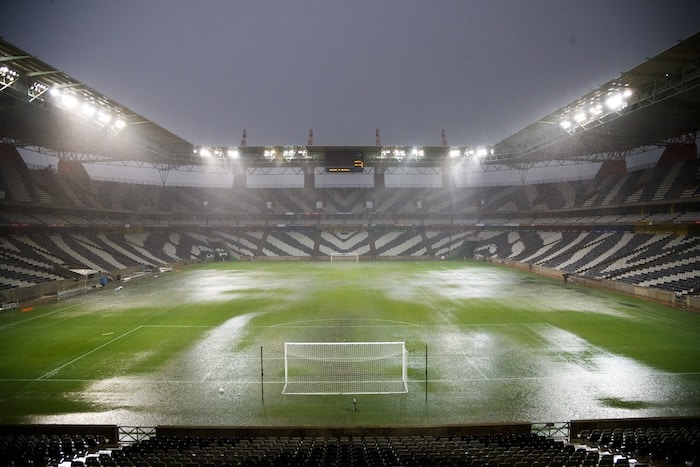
point(205, 346)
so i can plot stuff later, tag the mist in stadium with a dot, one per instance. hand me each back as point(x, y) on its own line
point(459, 233)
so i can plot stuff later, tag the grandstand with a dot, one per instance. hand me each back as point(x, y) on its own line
point(632, 230)
point(640, 232)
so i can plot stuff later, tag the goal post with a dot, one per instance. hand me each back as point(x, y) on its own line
point(355, 257)
point(345, 368)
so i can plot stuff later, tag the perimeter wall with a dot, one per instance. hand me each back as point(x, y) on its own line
point(647, 293)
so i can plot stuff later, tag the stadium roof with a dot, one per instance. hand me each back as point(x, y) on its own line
point(663, 105)
point(36, 112)
point(46, 110)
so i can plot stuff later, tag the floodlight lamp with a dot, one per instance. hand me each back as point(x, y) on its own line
point(269, 154)
point(7, 74)
point(417, 152)
point(455, 153)
point(627, 93)
point(399, 154)
point(596, 110)
point(205, 152)
point(385, 152)
point(303, 153)
point(565, 124)
point(482, 152)
point(232, 153)
point(468, 152)
point(119, 124)
point(580, 117)
point(55, 92)
point(288, 154)
point(37, 89)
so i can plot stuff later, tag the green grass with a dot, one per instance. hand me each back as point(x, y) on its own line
point(501, 346)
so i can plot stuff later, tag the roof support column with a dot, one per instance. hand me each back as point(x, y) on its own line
point(163, 172)
point(379, 179)
point(523, 171)
point(309, 176)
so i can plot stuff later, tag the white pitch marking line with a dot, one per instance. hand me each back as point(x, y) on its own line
point(174, 326)
point(40, 316)
point(471, 362)
point(206, 377)
point(55, 370)
point(410, 381)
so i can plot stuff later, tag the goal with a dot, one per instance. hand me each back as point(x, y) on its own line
point(345, 257)
point(345, 368)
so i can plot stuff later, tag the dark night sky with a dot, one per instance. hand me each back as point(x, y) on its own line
point(480, 69)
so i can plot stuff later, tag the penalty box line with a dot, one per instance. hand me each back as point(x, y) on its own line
point(101, 346)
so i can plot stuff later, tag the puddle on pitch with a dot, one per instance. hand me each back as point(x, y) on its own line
point(460, 285)
point(195, 387)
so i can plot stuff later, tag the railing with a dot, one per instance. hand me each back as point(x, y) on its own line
point(556, 430)
point(135, 434)
point(66, 293)
point(4, 306)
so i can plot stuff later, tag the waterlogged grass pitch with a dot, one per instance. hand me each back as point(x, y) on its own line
point(204, 346)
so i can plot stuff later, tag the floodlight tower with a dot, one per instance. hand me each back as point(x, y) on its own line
point(444, 137)
point(243, 138)
point(311, 136)
point(377, 140)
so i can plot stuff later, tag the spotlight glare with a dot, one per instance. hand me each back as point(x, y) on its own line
point(69, 101)
point(104, 117)
point(614, 101)
point(88, 110)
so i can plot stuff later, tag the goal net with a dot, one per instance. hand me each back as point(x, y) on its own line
point(345, 368)
point(345, 257)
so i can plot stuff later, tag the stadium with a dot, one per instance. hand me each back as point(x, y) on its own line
point(351, 305)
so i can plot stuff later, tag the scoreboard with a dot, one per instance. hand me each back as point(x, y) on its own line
point(345, 161)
